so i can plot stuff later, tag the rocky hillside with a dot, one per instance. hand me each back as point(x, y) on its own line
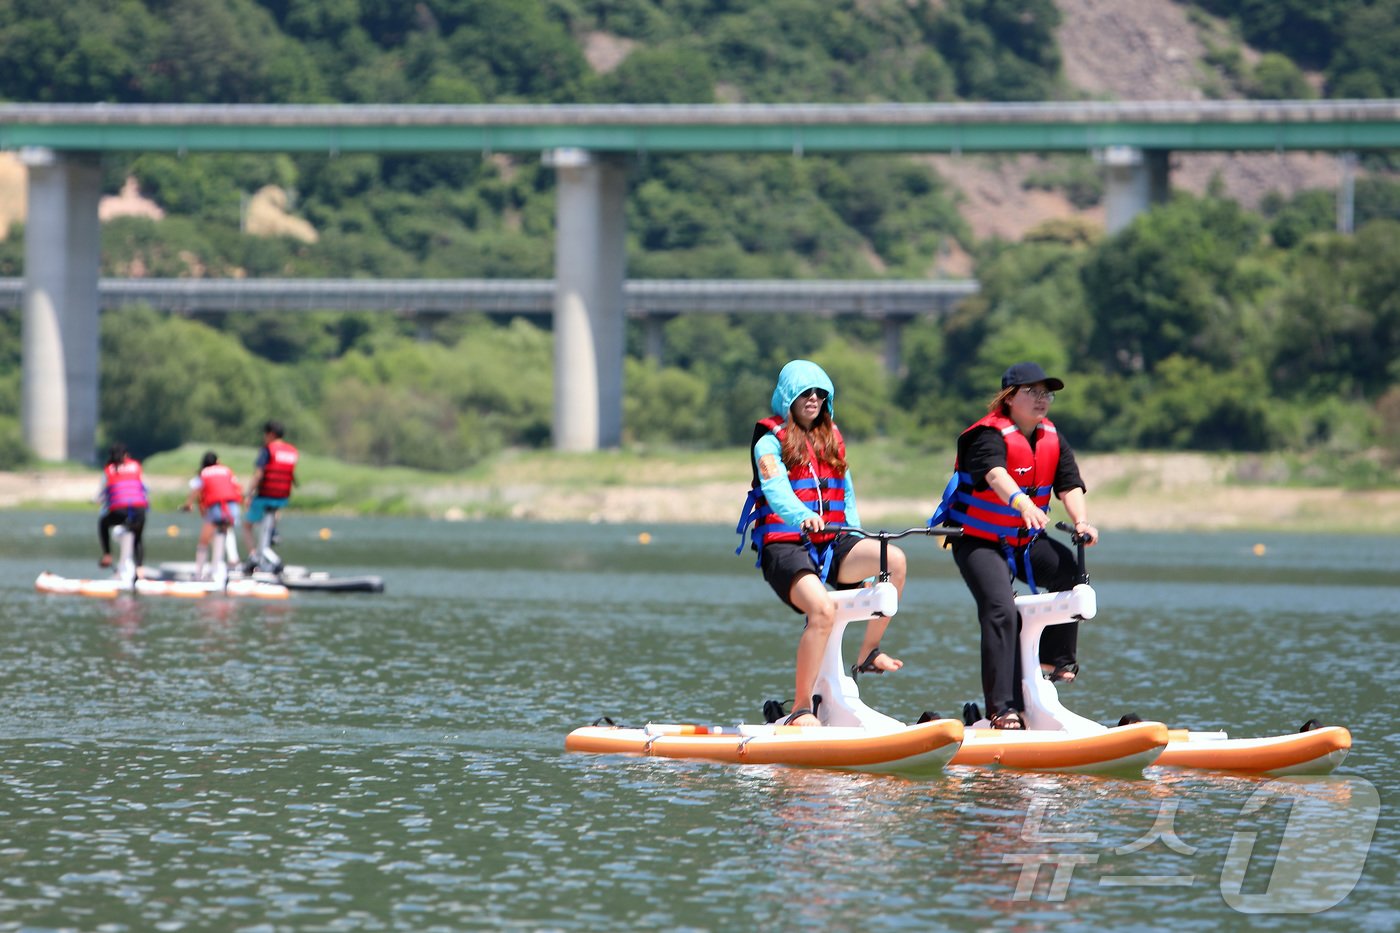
point(1130, 50)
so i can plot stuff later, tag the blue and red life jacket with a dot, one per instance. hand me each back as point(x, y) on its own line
point(982, 513)
point(814, 482)
point(125, 487)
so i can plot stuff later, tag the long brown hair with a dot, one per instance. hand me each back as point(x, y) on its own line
point(817, 442)
point(1001, 402)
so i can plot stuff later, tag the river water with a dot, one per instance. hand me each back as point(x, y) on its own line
point(396, 762)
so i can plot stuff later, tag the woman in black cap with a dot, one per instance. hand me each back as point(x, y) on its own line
point(1009, 463)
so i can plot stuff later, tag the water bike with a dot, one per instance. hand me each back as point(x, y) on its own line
point(130, 579)
point(1057, 739)
point(264, 565)
point(852, 736)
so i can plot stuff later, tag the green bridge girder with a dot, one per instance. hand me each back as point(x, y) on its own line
point(795, 128)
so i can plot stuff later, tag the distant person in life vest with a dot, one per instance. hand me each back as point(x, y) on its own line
point(1009, 464)
point(801, 486)
point(216, 490)
point(274, 474)
point(125, 500)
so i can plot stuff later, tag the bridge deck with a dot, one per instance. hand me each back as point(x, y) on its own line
point(878, 297)
point(632, 128)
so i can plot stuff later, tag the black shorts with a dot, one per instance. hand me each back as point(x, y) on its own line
point(784, 561)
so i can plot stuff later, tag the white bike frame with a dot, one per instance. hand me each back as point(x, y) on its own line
point(126, 559)
point(841, 704)
point(1038, 611)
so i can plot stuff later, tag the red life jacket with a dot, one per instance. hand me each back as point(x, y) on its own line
point(125, 488)
point(818, 486)
point(217, 485)
point(982, 514)
point(279, 471)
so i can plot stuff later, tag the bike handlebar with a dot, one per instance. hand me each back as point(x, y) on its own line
point(892, 535)
point(1078, 540)
point(1074, 536)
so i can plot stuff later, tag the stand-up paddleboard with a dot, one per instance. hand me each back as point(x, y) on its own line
point(1057, 739)
point(292, 576)
point(852, 737)
point(1121, 750)
point(1317, 750)
point(102, 588)
point(924, 748)
point(112, 587)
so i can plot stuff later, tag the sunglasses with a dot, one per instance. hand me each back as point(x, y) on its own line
point(819, 393)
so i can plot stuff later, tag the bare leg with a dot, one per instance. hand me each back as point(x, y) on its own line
point(810, 595)
point(201, 551)
point(864, 561)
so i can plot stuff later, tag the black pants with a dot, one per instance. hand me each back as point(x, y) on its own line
point(984, 569)
point(135, 522)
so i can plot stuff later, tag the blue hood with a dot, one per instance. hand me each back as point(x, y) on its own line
point(797, 377)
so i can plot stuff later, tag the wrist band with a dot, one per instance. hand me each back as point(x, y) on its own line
point(1014, 496)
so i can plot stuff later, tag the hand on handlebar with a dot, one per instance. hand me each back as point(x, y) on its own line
point(1089, 536)
point(812, 524)
point(1031, 515)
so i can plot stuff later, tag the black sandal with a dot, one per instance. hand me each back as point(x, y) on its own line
point(1009, 720)
point(803, 710)
point(1063, 673)
point(868, 665)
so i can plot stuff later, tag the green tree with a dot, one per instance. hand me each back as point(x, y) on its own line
point(165, 381)
point(1275, 77)
point(1188, 405)
point(1339, 329)
point(1307, 213)
point(1364, 63)
point(229, 51)
point(668, 405)
point(1168, 285)
point(1304, 30)
point(669, 74)
point(84, 50)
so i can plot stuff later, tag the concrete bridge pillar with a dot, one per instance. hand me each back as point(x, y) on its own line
point(60, 326)
point(589, 276)
point(655, 324)
point(1136, 179)
point(893, 327)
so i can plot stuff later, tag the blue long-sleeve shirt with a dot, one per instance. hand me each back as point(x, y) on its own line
point(778, 489)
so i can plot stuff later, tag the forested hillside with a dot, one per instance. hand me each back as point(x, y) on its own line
point(1205, 325)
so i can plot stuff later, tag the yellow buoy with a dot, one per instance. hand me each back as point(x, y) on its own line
point(644, 538)
point(325, 534)
point(172, 531)
point(50, 531)
point(1259, 550)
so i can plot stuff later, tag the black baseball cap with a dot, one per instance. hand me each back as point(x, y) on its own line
point(1024, 374)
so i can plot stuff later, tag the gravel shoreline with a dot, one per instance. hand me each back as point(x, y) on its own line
point(1146, 492)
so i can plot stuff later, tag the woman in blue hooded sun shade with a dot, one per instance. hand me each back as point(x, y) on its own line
point(801, 495)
